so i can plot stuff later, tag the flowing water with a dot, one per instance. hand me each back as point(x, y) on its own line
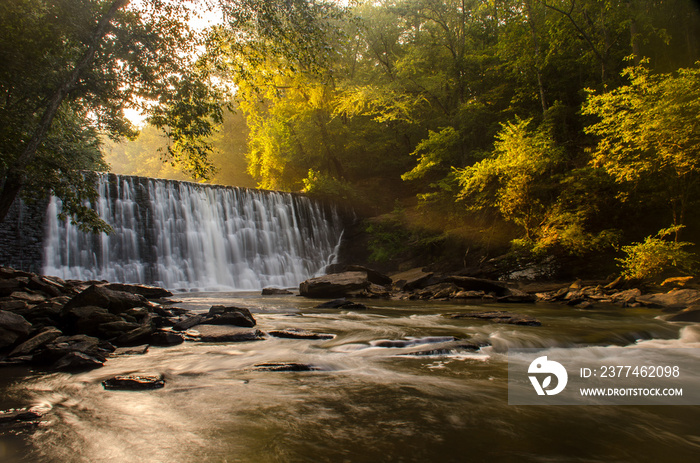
point(366, 403)
point(182, 235)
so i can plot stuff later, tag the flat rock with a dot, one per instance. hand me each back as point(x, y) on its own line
point(293, 333)
point(77, 361)
point(45, 336)
point(275, 292)
point(373, 276)
point(166, 338)
point(284, 366)
point(134, 382)
point(224, 333)
point(441, 348)
point(411, 279)
point(334, 285)
point(223, 315)
point(135, 337)
point(674, 299)
point(149, 292)
point(135, 350)
point(499, 316)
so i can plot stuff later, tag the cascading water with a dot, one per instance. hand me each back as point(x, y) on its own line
point(184, 235)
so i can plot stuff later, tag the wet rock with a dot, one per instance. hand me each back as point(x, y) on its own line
point(469, 295)
point(166, 338)
point(20, 418)
point(674, 299)
point(9, 286)
point(28, 297)
point(135, 382)
point(442, 348)
point(13, 305)
point(77, 361)
point(224, 333)
point(275, 292)
point(149, 292)
point(438, 291)
point(626, 298)
point(342, 304)
point(293, 333)
point(137, 312)
point(691, 314)
point(334, 285)
point(189, 322)
point(479, 284)
point(45, 336)
point(87, 319)
point(411, 279)
point(284, 366)
point(46, 286)
point(394, 343)
point(516, 296)
point(116, 328)
point(135, 337)
point(499, 316)
point(13, 327)
point(60, 347)
point(135, 350)
point(114, 301)
point(236, 316)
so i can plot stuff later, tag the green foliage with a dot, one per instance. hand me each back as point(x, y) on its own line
point(656, 255)
point(387, 241)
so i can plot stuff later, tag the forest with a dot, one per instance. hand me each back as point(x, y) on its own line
point(563, 134)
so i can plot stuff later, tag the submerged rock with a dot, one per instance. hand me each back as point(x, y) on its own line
point(285, 366)
point(224, 333)
point(293, 333)
point(276, 292)
point(20, 418)
point(135, 350)
point(134, 382)
point(342, 304)
point(499, 316)
point(441, 348)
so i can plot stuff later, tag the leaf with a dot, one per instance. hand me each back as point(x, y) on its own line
point(546, 382)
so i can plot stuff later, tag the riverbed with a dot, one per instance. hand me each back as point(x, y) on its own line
point(363, 402)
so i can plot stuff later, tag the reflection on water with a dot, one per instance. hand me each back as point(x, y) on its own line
point(367, 403)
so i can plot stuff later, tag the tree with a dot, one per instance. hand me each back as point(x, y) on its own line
point(649, 135)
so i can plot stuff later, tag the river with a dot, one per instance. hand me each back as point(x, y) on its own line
point(366, 403)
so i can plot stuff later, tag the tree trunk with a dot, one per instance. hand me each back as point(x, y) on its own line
point(16, 173)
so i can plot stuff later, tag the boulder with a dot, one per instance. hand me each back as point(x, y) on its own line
point(224, 333)
point(499, 316)
point(236, 316)
point(469, 295)
point(334, 285)
point(134, 382)
point(28, 297)
point(13, 305)
point(516, 295)
point(275, 292)
point(149, 292)
point(189, 322)
point(674, 299)
point(134, 350)
point(114, 301)
point(626, 297)
point(13, 327)
point(46, 286)
point(45, 336)
point(9, 286)
point(87, 319)
point(691, 314)
point(135, 337)
point(372, 275)
point(438, 291)
point(294, 333)
point(411, 279)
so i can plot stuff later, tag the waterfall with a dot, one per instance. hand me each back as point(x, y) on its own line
point(186, 236)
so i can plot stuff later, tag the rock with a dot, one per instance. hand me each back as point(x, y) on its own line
point(114, 301)
point(674, 299)
point(293, 333)
point(285, 366)
point(149, 292)
point(13, 305)
point(275, 292)
point(134, 382)
point(87, 319)
point(189, 322)
point(224, 333)
point(137, 312)
point(691, 314)
point(585, 305)
point(45, 336)
point(441, 348)
point(20, 418)
point(372, 275)
point(48, 287)
point(9, 272)
point(116, 328)
point(9, 286)
point(677, 281)
point(479, 284)
point(516, 295)
point(135, 350)
point(438, 291)
point(469, 295)
point(411, 279)
point(499, 316)
point(334, 285)
point(63, 345)
point(13, 327)
point(29, 298)
point(342, 304)
point(135, 337)
point(166, 338)
point(627, 297)
point(236, 316)
point(77, 361)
